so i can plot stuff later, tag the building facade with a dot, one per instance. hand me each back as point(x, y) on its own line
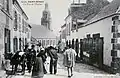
point(98, 39)
point(5, 28)
point(43, 35)
point(21, 28)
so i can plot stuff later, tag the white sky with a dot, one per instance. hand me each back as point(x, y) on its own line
point(58, 9)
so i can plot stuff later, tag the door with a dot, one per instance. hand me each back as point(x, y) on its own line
point(7, 40)
point(97, 50)
point(100, 52)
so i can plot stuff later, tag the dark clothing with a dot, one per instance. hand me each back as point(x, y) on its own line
point(31, 55)
point(18, 59)
point(43, 56)
point(37, 71)
point(53, 66)
point(53, 60)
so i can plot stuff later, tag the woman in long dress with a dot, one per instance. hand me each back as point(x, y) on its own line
point(38, 71)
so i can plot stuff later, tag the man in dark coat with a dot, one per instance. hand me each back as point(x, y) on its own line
point(31, 57)
point(53, 60)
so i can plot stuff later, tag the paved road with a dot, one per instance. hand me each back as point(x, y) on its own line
point(63, 74)
point(82, 68)
point(81, 71)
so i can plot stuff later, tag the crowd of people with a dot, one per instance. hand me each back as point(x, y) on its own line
point(34, 60)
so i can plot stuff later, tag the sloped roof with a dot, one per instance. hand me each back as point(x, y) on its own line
point(88, 11)
point(39, 31)
point(106, 11)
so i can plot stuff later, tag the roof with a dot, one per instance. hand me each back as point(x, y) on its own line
point(88, 11)
point(39, 31)
point(108, 10)
point(15, 1)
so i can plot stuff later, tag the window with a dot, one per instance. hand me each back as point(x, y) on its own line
point(1, 3)
point(113, 22)
point(20, 44)
point(25, 41)
point(47, 42)
point(15, 46)
point(50, 42)
point(6, 5)
point(23, 25)
point(69, 28)
point(53, 42)
point(7, 40)
point(40, 41)
point(15, 20)
point(19, 22)
point(28, 35)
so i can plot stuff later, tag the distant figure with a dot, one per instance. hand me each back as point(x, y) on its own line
point(69, 60)
point(38, 71)
point(53, 59)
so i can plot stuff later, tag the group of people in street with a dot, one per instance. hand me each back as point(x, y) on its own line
point(39, 60)
point(34, 60)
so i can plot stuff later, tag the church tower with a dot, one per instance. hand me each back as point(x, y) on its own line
point(46, 17)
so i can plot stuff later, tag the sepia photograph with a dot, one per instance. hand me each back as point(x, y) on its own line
point(59, 39)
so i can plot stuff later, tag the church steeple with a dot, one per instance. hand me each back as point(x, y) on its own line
point(46, 17)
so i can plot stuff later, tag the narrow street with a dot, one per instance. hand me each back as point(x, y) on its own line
point(81, 70)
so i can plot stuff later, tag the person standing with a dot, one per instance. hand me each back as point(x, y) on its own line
point(53, 60)
point(38, 71)
point(26, 50)
point(33, 54)
point(31, 57)
point(42, 53)
point(69, 60)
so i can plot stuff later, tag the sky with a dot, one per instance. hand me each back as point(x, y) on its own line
point(57, 8)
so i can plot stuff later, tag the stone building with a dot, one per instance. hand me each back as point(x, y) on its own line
point(98, 38)
point(21, 29)
point(43, 35)
point(63, 32)
point(5, 28)
point(46, 18)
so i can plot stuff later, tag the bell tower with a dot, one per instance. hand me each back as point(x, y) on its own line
point(46, 17)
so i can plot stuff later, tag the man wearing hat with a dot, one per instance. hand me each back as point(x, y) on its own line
point(53, 60)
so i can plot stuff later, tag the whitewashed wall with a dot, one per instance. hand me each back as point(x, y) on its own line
point(104, 28)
